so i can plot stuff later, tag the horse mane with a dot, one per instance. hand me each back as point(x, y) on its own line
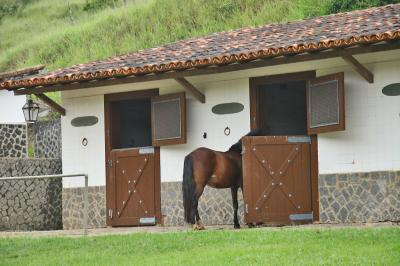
point(237, 147)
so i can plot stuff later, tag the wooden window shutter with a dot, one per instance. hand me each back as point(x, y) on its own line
point(168, 117)
point(325, 104)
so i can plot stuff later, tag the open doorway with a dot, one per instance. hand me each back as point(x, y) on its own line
point(280, 168)
point(133, 163)
point(282, 108)
point(137, 123)
point(131, 123)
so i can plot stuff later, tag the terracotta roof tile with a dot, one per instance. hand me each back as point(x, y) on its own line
point(333, 31)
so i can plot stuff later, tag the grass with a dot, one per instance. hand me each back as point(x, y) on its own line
point(290, 246)
point(43, 32)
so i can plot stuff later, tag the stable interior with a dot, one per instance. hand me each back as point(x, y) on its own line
point(131, 124)
point(282, 108)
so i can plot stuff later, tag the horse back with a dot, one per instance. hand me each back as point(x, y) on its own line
point(216, 169)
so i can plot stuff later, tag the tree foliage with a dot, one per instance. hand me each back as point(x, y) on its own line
point(336, 6)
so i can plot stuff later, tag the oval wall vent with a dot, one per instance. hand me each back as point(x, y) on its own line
point(227, 108)
point(392, 89)
point(84, 121)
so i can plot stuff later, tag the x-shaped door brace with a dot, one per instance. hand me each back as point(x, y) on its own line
point(276, 177)
point(132, 190)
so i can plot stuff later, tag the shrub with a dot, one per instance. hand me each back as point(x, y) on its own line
point(336, 6)
point(93, 5)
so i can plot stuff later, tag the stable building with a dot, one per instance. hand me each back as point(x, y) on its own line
point(324, 92)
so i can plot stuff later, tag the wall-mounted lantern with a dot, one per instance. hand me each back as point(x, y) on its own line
point(31, 111)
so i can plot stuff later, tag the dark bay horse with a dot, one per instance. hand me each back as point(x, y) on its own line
point(213, 168)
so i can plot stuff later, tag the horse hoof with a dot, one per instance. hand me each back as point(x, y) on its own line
point(198, 227)
point(236, 226)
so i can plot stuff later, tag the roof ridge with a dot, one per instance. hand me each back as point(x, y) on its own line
point(124, 55)
point(257, 27)
point(232, 30)
point(338, 30)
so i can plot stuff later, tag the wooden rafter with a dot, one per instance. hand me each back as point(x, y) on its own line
point(192, 89)
point(357, 66)
point(212, 69)
point(55, 106)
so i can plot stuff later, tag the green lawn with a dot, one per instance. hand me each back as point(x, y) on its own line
point(289, 246)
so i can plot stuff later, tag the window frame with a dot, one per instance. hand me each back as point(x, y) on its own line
point(183, 138)
point(339, 77)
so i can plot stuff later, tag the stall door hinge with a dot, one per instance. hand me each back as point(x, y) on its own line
point(247, 208)
point(110, 163)
point(110, 213)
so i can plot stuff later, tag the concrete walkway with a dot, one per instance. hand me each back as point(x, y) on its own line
point(163, 229)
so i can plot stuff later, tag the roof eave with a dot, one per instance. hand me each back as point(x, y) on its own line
point(227, 64)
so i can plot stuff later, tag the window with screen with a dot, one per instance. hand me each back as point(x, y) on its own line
point(168, 119)
point(324, 109)
point(326, 104)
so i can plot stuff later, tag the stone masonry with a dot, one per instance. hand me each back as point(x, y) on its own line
point(29, 167)
point(13, 140)
point(30, 204)
point(215, 205)
point(48, 139)
point(360, 197)
point(73, 207)
point(344, 198)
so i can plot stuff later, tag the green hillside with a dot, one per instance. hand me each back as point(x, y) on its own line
point(61, 33)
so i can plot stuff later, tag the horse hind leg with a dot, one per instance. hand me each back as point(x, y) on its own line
point(234, 191)
point(197, 223)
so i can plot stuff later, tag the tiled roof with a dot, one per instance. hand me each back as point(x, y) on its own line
point(333, 31)
point(21, 72)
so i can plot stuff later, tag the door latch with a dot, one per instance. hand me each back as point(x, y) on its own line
point(110, 163)
point(110, 213)
point(246, 206)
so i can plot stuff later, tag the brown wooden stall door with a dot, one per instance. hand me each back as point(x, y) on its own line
point(277, 184)
point(134, 187)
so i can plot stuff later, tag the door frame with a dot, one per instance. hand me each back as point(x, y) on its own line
point(255, 121)
point(115, 97)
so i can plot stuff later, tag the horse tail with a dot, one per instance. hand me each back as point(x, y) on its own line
point(188, 187)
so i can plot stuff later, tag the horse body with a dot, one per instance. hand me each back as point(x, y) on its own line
point(216, 169)
point(213, 168)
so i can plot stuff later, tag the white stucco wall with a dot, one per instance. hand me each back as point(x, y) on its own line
point(200, 119)
point(370, 142)
point(11, 108)
point(91, 159)
point(77, 158)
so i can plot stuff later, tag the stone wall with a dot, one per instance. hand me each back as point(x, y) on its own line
point(215, 205)
point(30, 204)
point(48, 139)
point(344, 198)
point(73, 207)
point(29, 167)
point(360, 197)
point(13, 140)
